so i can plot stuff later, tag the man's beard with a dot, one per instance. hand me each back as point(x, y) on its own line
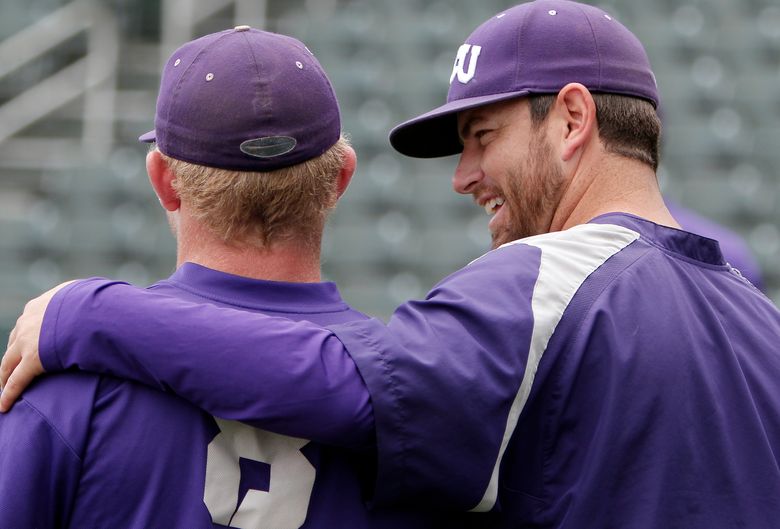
point(532, 193)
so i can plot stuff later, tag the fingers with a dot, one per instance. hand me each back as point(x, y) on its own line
point(20, 378)
point(21, 362)
point(11, 337)
point(10, 360)
point(9, 380)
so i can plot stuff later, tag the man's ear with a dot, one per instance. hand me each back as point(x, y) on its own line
point(576, 111)
point(161, 177)
point(347, 170)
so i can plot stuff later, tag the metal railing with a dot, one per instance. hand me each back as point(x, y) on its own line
point(92, 76)
point(181, 17)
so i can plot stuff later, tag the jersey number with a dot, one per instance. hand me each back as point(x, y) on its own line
point(285, 502)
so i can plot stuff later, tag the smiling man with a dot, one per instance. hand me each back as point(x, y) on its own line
point(511, 171)
point(599, 368)
point(520, 200)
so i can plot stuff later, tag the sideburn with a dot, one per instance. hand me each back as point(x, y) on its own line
point(534, 191)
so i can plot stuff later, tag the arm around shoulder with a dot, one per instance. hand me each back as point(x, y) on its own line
point(293, 378)
point(443, 375)
point(21, 362)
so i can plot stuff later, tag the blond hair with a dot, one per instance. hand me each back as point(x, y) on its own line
point(262, 208)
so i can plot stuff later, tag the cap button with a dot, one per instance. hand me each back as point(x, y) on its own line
point(242, 28)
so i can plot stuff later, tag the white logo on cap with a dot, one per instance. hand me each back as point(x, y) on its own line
point(464, 76)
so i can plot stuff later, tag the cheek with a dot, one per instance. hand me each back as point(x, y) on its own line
point(501, 161)
point(515, 152)
point(515, 172)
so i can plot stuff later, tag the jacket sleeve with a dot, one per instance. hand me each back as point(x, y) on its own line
point(443, 376)
point(294, 378)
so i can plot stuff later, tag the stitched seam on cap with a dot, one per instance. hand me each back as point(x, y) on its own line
point(596, 44)
point(186, 73)
point(265, 96)
point(520, 54)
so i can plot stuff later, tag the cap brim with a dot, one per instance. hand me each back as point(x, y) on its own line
point(149, 137)
point(435, 133)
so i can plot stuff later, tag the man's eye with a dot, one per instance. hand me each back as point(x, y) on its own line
point(480, 134)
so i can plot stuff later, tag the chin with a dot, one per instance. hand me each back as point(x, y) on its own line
point(498, 239)
point(508, 235)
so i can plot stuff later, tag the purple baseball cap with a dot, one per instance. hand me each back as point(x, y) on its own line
point(246, 100)
point(533, 48)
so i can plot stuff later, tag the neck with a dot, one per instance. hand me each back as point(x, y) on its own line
point(288, 261)
point(611, 184)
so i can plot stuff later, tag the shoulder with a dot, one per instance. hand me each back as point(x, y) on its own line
point(47, 393)
point(69, 404)
point(62, 404)
point(553, 263)
point(585, 243)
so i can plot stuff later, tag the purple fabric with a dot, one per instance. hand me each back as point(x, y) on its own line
point(247, 100)
point(276, 404)
point(533, 48)
point(82, 451)
point(734, 247)
point(87, 451)
point(654, 403)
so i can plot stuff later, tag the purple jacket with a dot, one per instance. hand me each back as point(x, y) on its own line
point(84, 451)
point(735, 250)
point(616, 374)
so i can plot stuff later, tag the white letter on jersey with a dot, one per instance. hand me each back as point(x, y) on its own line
point(457, 70)
point(285, 504)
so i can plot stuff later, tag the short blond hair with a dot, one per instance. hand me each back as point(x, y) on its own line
point(262, 208)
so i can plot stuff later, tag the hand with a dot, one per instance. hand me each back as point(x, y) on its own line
point(21, 363)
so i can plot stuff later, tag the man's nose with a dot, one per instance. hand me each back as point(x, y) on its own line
point(468, 173)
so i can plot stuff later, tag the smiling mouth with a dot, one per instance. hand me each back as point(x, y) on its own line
point(492, 205)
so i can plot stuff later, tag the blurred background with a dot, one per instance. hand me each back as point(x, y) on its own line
point(79, 79)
